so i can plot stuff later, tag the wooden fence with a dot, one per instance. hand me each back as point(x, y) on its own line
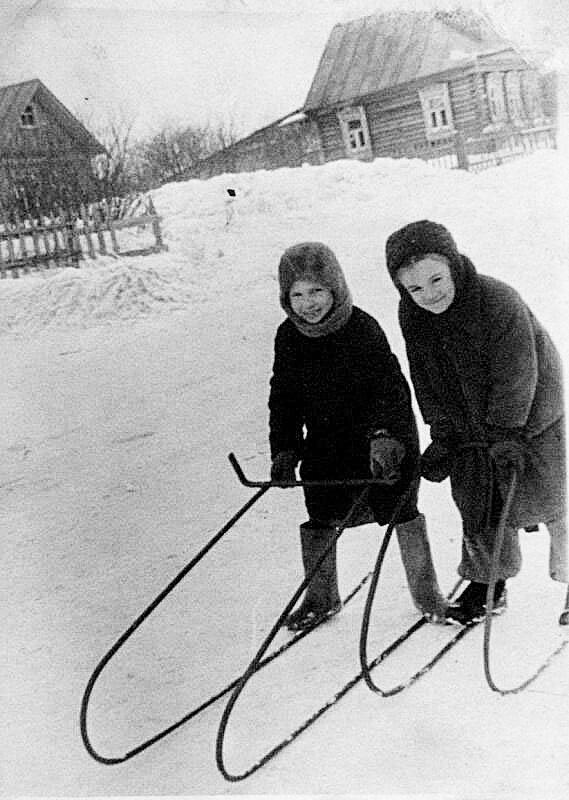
point(495, 149)
point(66, 237)
point(478, 153)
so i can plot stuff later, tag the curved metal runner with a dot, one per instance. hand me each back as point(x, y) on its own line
point(233, 777)
point(490, 605)
point(253, 666)
point(263, 487)
point(129, 632)
point(368, 666)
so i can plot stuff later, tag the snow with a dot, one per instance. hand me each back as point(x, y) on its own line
point(126, 383)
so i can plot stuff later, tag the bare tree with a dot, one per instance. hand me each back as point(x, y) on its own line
point(115, 169)
point(170, 154)
point(133, 165)
point(115, 133)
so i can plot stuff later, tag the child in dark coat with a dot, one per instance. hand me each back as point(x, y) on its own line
point(340, 406)
point(488, 381)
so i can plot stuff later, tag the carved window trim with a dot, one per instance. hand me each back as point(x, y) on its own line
point(514, 101)
point(355, 131)
point(437, 111)
point(496, 96)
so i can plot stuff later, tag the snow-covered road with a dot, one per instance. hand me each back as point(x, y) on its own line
point(125, 385)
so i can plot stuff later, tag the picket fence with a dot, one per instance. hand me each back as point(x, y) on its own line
point(67, 236)
point(475, 154)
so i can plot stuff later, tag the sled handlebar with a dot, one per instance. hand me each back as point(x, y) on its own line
point(288, 484)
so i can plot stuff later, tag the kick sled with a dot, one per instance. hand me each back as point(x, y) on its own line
point(261, 660)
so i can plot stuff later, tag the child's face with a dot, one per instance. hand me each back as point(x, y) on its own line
point(310, 300)
point(430, 283)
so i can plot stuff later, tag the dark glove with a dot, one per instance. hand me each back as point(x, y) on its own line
point(283, 467)
point(508, 456)
point(385, 457)
point(507, 450)
point(436, 461)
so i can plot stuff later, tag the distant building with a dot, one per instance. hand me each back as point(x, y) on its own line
point(400, 84)
point(46, 155)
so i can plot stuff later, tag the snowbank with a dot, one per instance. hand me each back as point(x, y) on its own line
point(220, 245)
point(98, 292)
point(118, 417)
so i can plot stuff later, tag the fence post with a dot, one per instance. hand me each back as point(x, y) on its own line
point(156, 225)
point(35, 239)
point(98, 217)
point(87, 231)
point(21, 231)
point(461, 154)
point(2, 264)
point(76, 251)
point(45, 225)
point(11, 251)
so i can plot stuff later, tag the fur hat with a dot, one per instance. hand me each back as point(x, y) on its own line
point(315, 261)
point(415, 241)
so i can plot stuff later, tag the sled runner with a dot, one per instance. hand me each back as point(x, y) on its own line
point(563, 619)
point(262, 487)
point(261, 660)
point(367, 666)
point(258, 659)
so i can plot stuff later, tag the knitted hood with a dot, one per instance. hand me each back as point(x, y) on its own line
point(416, 240)
point(412, 243)
point(315, 261)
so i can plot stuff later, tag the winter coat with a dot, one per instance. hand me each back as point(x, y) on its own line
point(485, 363)
point(327, 395)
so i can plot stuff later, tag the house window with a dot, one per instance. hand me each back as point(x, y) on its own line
point(530, 95)
point(437, 112)
point(355, 132)
point(495, 95)
point(28, 118)
point(514, 96)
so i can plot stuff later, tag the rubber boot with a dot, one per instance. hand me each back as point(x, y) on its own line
point(322, 598)
point(471, 607)
point(558, 569)
point(421, 576)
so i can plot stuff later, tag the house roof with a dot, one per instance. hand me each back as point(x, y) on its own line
point(379, 51)
point(15, 98)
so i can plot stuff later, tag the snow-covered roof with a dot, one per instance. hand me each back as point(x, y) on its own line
point(376, 52)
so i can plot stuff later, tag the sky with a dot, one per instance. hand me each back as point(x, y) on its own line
point(194, 62)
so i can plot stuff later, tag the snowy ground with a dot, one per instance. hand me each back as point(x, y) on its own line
point(125, 385)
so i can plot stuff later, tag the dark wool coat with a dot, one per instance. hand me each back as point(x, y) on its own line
point(327, 394)
point(487, 362)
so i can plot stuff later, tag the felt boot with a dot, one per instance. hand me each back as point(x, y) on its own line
point(558, 569)
point(321, 599)
point(419, 569)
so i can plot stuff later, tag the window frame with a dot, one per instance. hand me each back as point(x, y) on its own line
point(437, 111)
point(346, 118)
point(514, 100)
point(28, 117)
point(530, 94)
point(496, 97)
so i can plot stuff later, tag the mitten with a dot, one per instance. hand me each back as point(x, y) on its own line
point(507, 450)
point(283, 467)
point(385, 457)
point(508, 456)
point(436, 461)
